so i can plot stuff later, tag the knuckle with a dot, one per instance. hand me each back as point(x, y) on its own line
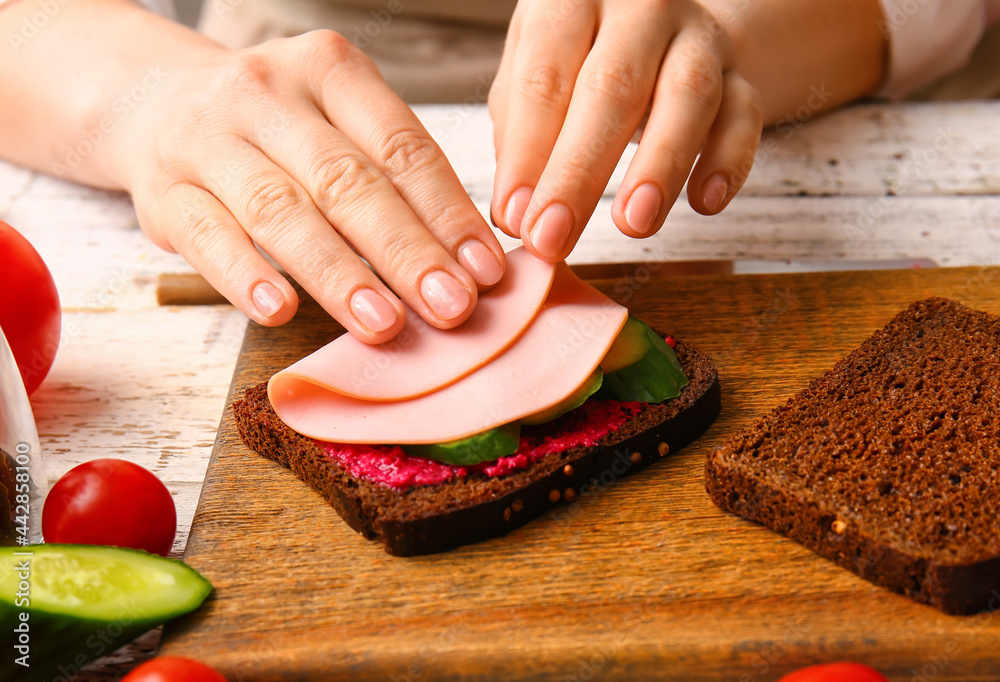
point(271, 202)
point(328, 271)
point(401, 253)
point(580, 169)
point(248, 75)
point(201, 232)
point(616, 80)
point(406, 151)
point(345, 175)
point(698, 80)
point(674, 163)
point(754, 105)
point(547, 85)
point(329, 47)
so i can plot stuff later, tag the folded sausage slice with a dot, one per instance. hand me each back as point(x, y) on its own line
point(552, 358)
point(422, 358)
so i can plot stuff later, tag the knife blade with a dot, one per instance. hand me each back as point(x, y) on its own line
point(21, 455)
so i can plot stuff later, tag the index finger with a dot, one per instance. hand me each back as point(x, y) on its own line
point(387, 131)
point(611, 96)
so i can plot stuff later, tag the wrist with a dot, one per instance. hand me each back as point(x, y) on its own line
point(73, 87)
point(121, 117)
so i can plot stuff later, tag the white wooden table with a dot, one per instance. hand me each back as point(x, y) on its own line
point(148, 383)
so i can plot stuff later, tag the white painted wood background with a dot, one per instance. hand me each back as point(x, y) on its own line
point(147, 383)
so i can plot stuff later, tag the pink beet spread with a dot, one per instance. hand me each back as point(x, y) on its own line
point(390, 466)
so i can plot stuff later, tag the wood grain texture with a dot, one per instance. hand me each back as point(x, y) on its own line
point(644, 579)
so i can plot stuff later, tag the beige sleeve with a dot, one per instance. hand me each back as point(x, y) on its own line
point(929, 39)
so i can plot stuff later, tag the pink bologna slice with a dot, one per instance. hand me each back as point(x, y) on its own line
point(422, 358)
point(554, 356)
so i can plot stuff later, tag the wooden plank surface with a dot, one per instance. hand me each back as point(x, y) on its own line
point(643, 578)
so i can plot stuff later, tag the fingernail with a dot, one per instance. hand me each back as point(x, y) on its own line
point(372, 311)
point(480, 262)
point(551, 230)
point(517, 204)
point(643, 207)
point(715, 193)
point(268, 298)
point(444, 294)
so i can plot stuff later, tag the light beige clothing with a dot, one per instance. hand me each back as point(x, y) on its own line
point(943, 48)
point(427, 50)
point(980, 79)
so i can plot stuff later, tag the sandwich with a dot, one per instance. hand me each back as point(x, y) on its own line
point(443, 438)
point(889, 464)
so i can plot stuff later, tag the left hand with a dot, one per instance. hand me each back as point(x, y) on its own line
point(577, 79)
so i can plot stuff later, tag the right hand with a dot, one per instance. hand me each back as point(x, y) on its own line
point(299, 146)
point(573, 88)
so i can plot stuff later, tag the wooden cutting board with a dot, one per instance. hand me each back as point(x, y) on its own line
point(644, 579)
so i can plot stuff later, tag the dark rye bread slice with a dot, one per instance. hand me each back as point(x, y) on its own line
point(888, 464)
point(424, 519)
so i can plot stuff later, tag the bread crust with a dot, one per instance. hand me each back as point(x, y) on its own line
point(887, 464)
point(426, 519)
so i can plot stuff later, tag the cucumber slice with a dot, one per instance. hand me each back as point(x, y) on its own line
point(482, 447)
point(575, 399)
point(630, 346)
point(62, 606)
point(639, 366)
point(654, 378)
point(503, 440)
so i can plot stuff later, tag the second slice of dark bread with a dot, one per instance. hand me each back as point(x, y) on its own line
point(889, 464)
point(424, 519)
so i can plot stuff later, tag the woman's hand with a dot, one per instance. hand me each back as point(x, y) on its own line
point(298, 146)
point(577, 79)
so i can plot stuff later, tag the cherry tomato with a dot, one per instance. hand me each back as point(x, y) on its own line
point(836, 672)
point(29, 307)
point(173, 669)
point(110, 502)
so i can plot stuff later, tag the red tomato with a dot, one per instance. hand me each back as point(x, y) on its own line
point(29, 307)
point(110, 502)
point(836, 672)
point(173, 669)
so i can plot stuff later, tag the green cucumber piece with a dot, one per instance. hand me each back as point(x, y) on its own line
point(656, 377)
point(639, 366)
point(573, 401)
point(630, 346)
point(83, 602)
point(482, 447)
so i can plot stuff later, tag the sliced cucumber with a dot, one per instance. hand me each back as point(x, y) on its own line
point(482, 447)
point(62, 606)
point(575, 399)
point(656, 377)
point(630, 346)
